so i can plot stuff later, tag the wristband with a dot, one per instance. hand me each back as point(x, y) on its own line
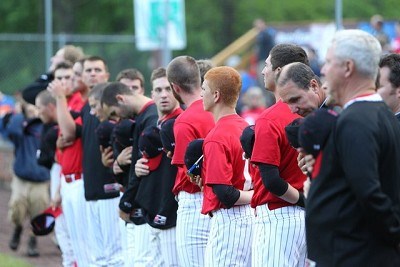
point(301, 201)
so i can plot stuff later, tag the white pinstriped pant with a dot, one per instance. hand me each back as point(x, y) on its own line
point(229, 242)
point(74, 209)
point(163, 246)
point(192, 229)
point(279, 237)
point(60, 227)
point(104, 233)
point(142, 253)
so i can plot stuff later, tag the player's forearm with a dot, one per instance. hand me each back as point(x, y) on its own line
point(231, 196)
point(291, 195)
point(278, 186)
point(65, 120)
point(245, 197)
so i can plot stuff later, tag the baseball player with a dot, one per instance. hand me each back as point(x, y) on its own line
point(120, 100)
point(70, 158)
point(279, 237)
point(157, 176)
point(101, 191)
point(226, 198)
point(192, 227)
point(46, 105)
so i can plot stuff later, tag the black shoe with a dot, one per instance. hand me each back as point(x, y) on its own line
point(32, 247)
point(16, 238)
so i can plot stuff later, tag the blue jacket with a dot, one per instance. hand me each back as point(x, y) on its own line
point(25, 135)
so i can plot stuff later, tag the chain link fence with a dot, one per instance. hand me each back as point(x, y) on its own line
point(23, 56)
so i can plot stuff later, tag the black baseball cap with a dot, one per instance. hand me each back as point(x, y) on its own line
point(151, 147)
point(43, 223)
point(292, 132)
point(194, 152)
point(30, 92)
point(315, 130)
point(123, 133)
point(247, 140)
point(103, 131)
point(167, 135)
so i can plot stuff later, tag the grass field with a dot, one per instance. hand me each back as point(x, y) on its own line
point(7, 261)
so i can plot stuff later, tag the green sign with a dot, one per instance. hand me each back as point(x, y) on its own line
point(160, 23)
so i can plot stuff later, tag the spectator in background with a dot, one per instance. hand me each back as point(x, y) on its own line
point(7, 105)
point(396, 40)
point(377, 31)
point(313, 59)
point(264, 43)
point(30, 184)
point(254, 102)
point(69, 53)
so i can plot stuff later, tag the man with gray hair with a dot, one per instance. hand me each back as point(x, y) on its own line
point(352, 215)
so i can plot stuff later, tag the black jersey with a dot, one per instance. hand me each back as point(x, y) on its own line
point(147, 117)
point(155, 195)
point(95, 174)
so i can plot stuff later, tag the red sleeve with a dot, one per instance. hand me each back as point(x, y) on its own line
point(184, 133)
point(267, 143)
point(217, 168)
point(78, 120)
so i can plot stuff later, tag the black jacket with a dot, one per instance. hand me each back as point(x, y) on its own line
point(353, 207)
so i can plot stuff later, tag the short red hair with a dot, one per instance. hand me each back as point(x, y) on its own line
point(227, 81)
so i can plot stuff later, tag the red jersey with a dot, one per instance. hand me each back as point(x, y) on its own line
point(175, 113)
point(272, 147)
point(70, 158)
point(193, 123)
point(223, 161)
point(75, 102)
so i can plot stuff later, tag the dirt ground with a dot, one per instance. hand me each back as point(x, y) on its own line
point(50, 255)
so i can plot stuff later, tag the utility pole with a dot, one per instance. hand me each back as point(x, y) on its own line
point(48, 31)
point(339, 14)
point(165, 49)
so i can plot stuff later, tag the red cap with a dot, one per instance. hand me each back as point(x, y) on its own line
point(154, 162)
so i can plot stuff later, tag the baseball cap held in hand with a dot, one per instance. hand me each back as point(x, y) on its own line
point(315, 130)
point(247, 140)
point(193, 156)
point(43, 223)
point(123, 132)
point(104, 131)
point(151, 147)
point(292, 132)
point(167, 135)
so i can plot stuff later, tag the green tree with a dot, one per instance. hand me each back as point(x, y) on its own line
point(211, 25)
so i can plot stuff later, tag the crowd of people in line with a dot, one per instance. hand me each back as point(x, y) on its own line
point(181, 179)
